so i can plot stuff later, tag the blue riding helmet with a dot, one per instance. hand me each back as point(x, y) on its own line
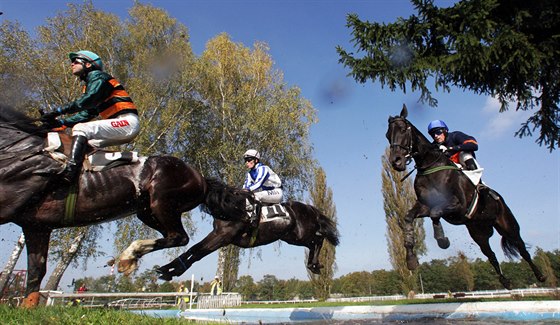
point(437, 124)
point(88, 56)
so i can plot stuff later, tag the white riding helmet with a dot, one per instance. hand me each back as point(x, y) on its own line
point(252, 153)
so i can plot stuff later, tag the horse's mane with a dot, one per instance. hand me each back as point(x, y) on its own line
point(16, 119)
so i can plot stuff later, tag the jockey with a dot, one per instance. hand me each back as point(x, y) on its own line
point(262, 181)
point(459, 146)
point(102, 96)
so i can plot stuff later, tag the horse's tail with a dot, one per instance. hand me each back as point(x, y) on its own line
point(223, 201)
point(327, 227)
point(509, 248)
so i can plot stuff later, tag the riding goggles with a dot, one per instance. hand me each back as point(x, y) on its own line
point(435, 132)
point(79, 61)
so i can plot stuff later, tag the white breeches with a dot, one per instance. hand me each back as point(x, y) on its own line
point(103, 133)
point(271, 196)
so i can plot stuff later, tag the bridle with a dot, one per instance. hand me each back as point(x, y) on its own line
point(407, 146)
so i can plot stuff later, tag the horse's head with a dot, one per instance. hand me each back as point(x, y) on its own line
point(399, 135)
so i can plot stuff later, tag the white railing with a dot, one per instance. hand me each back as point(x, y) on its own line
point(226, 299)
point(117, 299)
point(471, 294)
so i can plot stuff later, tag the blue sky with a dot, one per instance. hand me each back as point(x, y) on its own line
point(349, 138)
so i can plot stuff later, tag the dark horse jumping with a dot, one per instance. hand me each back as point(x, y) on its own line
point(305, 226)
point(157, 189)
point(443, 191)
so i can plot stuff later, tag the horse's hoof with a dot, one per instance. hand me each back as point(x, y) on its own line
point(506, 283)
point(32, 300)
point(412, 263)
point(127, 266)
point(315, 268)
point(165, 277)
point(443, 243)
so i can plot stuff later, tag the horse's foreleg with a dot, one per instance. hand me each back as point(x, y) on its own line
point(439, 235)
point(37, 244)
point(209, 244)
point(409, 240)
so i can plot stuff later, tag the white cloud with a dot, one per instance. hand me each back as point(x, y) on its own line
point(505, 123)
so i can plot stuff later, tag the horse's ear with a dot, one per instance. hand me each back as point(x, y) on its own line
point(404, 112)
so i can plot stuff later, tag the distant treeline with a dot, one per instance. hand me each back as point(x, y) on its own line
point(433, 276)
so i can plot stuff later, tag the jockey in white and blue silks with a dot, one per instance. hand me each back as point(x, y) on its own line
point(261, 179)
point(263, 182)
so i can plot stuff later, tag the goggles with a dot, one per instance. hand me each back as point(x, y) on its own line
point(79, 61)
point(247, 159)
point(435, 132)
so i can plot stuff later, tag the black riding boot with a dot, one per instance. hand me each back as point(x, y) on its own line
point(470, 164)
point(77, 155)
point(253, 211)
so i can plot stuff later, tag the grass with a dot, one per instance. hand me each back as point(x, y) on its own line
point(76, 315)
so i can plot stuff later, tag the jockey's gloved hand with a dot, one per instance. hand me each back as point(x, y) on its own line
point(51, 115)
point(442, 148)
point(52, 123)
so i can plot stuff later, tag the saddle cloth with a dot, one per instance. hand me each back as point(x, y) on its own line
point(96, 161)
point(269, 212)
point(474, 175)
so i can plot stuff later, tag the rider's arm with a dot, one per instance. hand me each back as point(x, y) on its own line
point(262, 175)
point(463, 142)
point(97, 90)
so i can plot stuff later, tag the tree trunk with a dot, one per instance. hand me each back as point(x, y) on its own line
point(54, 279)
point(9, 268)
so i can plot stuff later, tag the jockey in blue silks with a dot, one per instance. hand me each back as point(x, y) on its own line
point(262, 181)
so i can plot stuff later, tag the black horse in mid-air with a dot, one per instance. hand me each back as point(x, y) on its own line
point(303, 225)
point(444, 191)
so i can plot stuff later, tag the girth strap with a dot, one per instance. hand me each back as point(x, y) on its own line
point(70, 204)
point(437, 169)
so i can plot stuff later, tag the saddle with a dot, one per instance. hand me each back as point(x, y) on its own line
point(273, 211)
point(96, 159)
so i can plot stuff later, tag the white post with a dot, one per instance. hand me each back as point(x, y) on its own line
point(192, 287)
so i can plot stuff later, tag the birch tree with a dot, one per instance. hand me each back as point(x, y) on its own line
point(11, 264)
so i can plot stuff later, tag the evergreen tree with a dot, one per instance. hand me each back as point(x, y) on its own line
point(506, 49)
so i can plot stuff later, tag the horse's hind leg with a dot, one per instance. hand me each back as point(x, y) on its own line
point(439, 235)
point(37, 244)
point(481, 234)
point(313, 263)
point(512, 243)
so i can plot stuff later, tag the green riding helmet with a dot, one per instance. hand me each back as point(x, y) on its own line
point(89, 56)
